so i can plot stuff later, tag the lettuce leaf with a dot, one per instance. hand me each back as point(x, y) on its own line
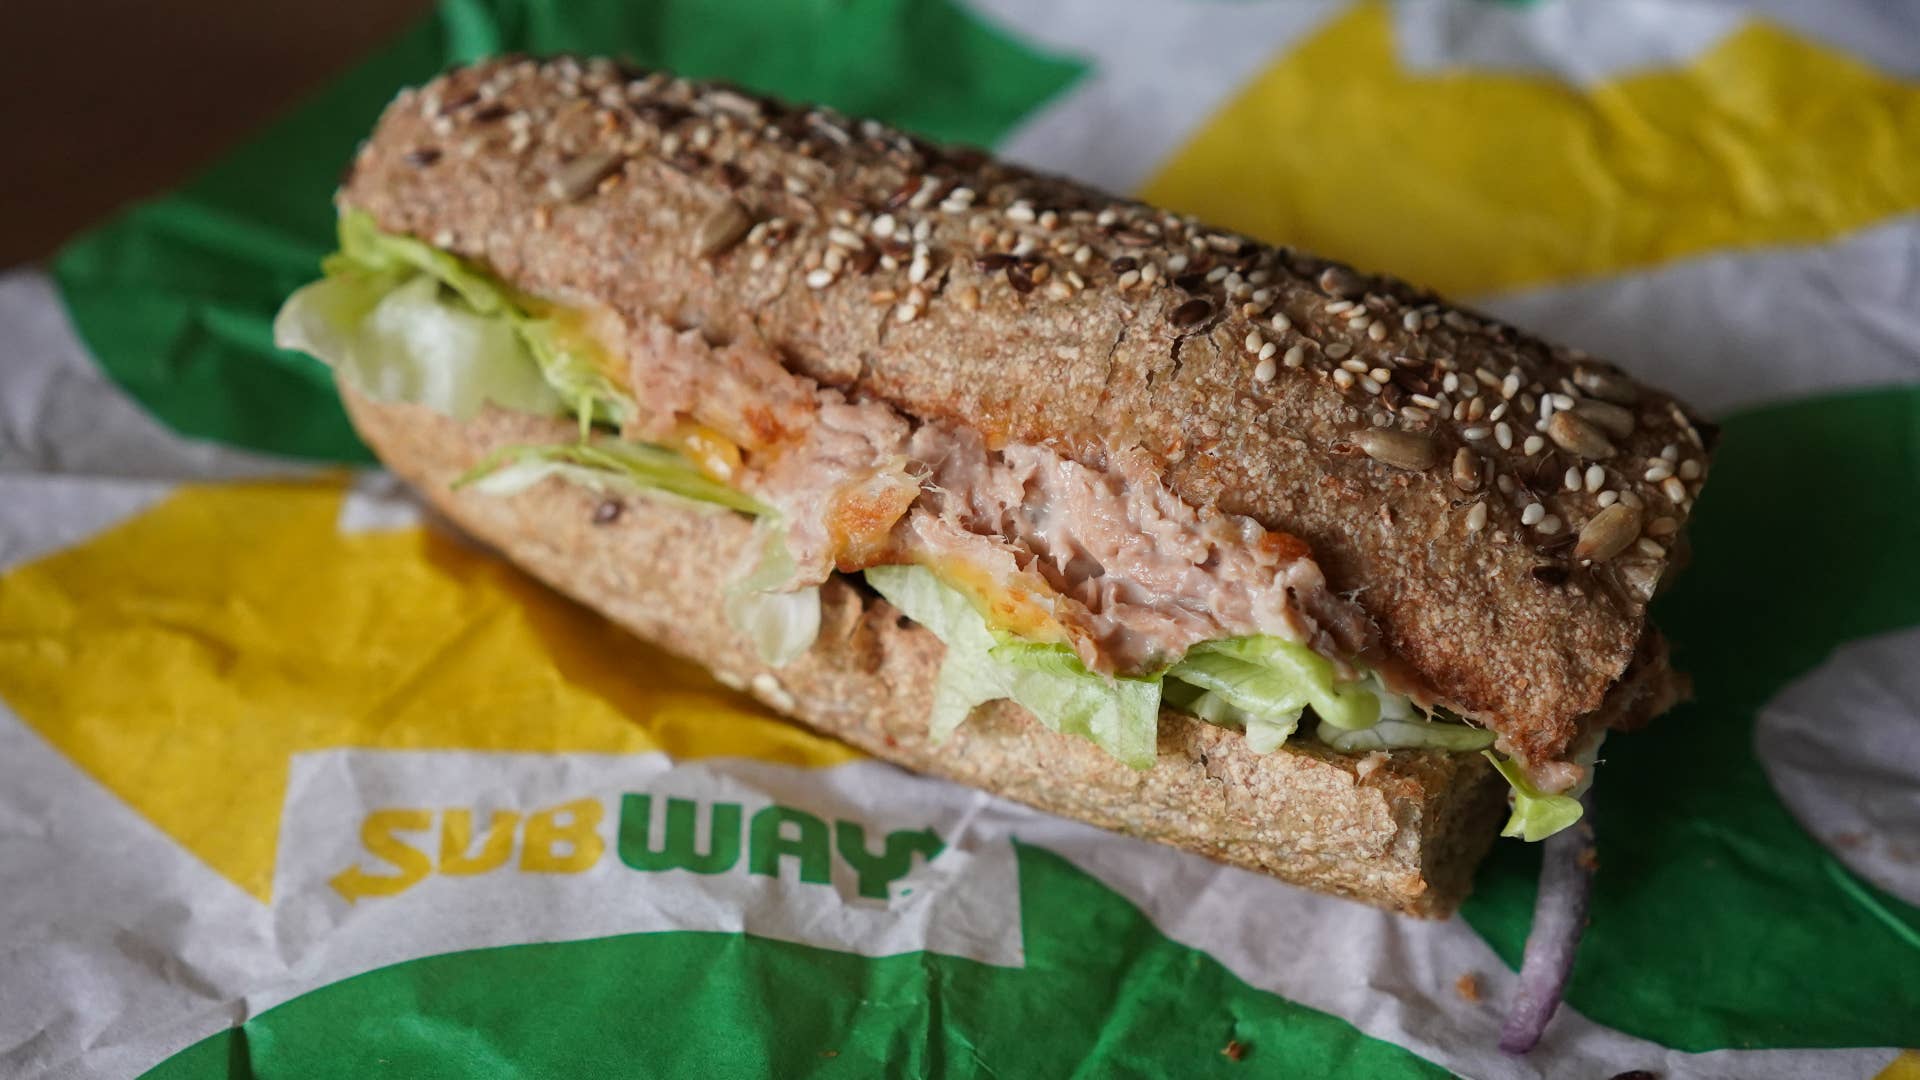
point(408, 341)
point(1408, 734)
point(1536, 815)
point(1121, 716)
point(405, 321)
point(606, 464)
point(1272, 676)
point(781, 622)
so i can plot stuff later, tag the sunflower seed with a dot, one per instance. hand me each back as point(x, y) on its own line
point(1614, 419)
point(1466, 470)
point(1577, 436)
point(1608, 534)
point(724, 227)
point(579, 177)
point(1606, 386)
point(1400, 449)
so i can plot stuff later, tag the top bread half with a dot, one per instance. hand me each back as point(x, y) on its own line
point(1501, 509)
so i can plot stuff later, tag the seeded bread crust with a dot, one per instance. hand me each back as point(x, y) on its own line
point(1405, 440)
point(1402, 831)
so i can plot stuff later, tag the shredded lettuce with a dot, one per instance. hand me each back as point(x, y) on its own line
point(1536, 815)
point(1120, 715)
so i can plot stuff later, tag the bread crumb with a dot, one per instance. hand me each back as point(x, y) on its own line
point(1468, 987)
point(1235, 1050)
point(1369, 765)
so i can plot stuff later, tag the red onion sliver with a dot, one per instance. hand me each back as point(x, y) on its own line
point(1559, 918)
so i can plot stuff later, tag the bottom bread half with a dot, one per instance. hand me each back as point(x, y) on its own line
point(1401, 830)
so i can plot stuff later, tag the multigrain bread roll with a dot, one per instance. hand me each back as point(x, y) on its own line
point(1121, 433)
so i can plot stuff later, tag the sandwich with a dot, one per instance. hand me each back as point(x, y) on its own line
point(1003, 479)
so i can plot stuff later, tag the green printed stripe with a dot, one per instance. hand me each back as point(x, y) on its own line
point(1102, 994)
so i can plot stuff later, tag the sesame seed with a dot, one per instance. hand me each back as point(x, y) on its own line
point(1177, 262)
point(1082, 255)
point(1354, 364)
point(1459, 410)
point(1498, 411)
point(906, 313)
point(1049, 220)
point(1076, 280)
point(883, 226)
point(1368, 384)
point(1343, 378)
point(820, 279)
point(794, 185)
point(1533, 514)
point(1058, 289)
point(1150, 273)
point(1107, 217)
point(1266, 369)
point(1381, 374)
point(1651, 548)
point(1595, 477)
point(1337, 307)
point(1475, 434)
point(1218, 274)
point(1477, 517)
point(1410, 322)
point(1630, 499)
point(1533, 445)
point(1690, 469)
point(1021, 211)
point(843, 237)
point(1487, 377)
point(1280, 320)
point(1263, 297)
point(1295, 356)
point(1254, 342)
point(1560, 401)
point(1129, 279)
point(1674, 489)
point(1358, 319)
point(1338, 349)
point(1477, 409)
point(1573, 477)
point(1670, 452)
point(1451, 383)
point(1426, 402)
point(1510, 385)
point(1608, 498)
point(1377, 332)
point(1663, 526)
point(1658, 471)
point(1550, 524)
point(443, 238)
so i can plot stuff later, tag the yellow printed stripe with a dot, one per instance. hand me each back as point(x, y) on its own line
point(183, 656)
point(1476, 181)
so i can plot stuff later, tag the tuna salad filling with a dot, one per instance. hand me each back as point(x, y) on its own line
point(1077, 586)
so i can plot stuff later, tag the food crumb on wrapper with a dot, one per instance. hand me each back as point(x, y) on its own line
point(1235, 1050)
point(1468, 987)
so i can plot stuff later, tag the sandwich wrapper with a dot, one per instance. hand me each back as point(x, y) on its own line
point(295, 781)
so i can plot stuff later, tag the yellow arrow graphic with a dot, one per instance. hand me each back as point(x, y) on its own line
point(1475, 181)
point(183, 656)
